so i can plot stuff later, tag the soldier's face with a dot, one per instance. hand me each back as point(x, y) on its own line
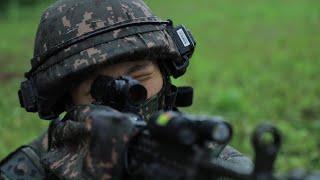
point(145, 71)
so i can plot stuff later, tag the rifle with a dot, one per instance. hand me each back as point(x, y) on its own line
point(174, 146)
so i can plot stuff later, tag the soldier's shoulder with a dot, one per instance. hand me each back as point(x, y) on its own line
point(25, 162)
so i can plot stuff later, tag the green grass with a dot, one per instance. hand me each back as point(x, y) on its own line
point(256, 61)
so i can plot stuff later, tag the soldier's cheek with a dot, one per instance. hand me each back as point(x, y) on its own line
point(153, 86)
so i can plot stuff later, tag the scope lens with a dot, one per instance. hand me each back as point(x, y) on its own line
point(137, 93)
point(221, 133)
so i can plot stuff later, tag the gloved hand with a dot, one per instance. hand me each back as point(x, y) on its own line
point(90, 144)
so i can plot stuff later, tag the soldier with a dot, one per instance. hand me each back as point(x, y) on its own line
point(77, 40)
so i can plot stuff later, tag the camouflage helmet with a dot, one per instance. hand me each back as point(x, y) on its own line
point(76, 36)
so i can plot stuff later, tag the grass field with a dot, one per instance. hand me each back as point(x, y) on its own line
point(256, 61)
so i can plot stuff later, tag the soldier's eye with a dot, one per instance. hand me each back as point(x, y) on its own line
point(143, 77)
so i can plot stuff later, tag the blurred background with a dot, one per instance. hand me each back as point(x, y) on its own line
point(256, 61)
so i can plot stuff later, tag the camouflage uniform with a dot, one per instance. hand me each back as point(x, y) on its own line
point(77, 37)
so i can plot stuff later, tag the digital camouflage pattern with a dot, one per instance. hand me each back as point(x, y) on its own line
point(135, 34)
point(71, 40)
point(23, 164)
point(89, 143)
point(91, 146)
point(152, 105)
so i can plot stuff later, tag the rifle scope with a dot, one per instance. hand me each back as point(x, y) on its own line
point(188, 130)
point(118, 93)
